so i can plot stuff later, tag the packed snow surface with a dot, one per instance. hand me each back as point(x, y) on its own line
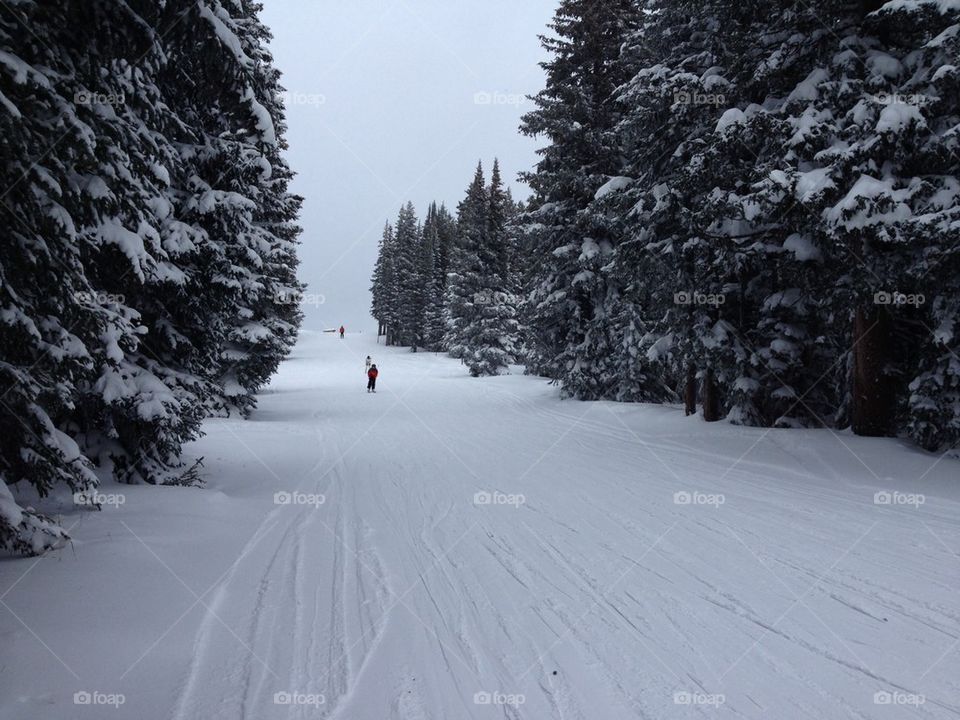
point(478, 548)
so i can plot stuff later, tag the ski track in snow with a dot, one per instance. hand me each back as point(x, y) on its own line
point(597, 597)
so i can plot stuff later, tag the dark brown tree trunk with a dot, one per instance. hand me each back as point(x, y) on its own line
point(871, 413)
point(690, 391)
point(711, 399)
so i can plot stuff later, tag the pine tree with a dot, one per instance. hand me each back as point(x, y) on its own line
point(129, 252)
point(237, 192)
point(770, 197)
point(383, 287)
point(576, 112)
point(432, 285)
point(45, 321)
point(446, 239)
point(910, 188)
point(837, 171)
point(406, 249)
point(465, 266)
point(491, 335)
point(266, 336)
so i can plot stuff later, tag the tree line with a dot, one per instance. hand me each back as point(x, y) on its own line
point(149, 241)
point(749, 207)
point(451, 283)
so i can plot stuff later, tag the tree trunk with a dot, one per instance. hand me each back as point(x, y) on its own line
point(711, 399)
point(690, 391)
point(873, 393)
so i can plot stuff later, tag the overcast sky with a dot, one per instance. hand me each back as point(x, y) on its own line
point(395, 100)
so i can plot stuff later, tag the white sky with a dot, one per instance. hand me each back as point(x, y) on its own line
point(382, 109)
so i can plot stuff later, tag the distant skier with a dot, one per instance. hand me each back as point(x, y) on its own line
point(369, 363)
point(342, 331)
point(372, 379)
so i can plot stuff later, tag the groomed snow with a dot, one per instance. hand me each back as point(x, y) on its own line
point(577, 584)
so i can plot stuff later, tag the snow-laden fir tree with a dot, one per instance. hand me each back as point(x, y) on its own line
point(237, 192)
point(406, 245)
point(463, 288)
point(432, 285)
point(576, 112)
point(122, 262)
point(489, 332)
point(267, 325)
point(689, 220)
point(783, 194)
point(847, 195)
point(383, 285)
point(409, 279)
point(450, 284)
point(44, 320)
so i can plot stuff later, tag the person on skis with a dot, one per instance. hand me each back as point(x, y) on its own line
point(369, 363)
point(341, 332)
point(372, 379)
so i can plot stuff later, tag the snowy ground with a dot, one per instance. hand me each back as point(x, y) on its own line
point(584, 588)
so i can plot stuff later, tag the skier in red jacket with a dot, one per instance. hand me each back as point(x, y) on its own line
point(372, 379)
point(341, 332)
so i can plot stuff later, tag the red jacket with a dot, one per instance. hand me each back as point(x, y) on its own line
point(372, 373)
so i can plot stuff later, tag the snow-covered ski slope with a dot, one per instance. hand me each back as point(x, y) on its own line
point(477, 548)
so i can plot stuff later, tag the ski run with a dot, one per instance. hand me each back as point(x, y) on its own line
point(462, 548)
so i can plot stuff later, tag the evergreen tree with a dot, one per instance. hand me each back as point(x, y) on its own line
point(432, 286)
point(482, 326)
point(267, 326)
point(383, 287)
point(768, 195)
point(446, 239)
point(45, 321)
point(928, 40)
point(406, 250)
point(466, 266)
point(409, 279)
point(136, 241)
point(576, 112)
point(491, 335)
